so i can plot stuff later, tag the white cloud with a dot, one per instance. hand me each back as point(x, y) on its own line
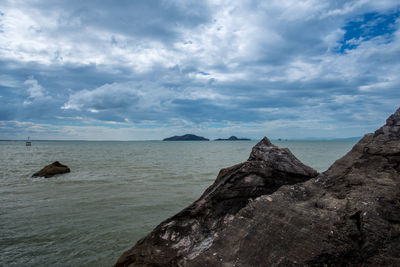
point(36, 92)
point(104, 97)
point(8, 81)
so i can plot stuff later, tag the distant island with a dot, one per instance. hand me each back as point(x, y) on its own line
point(233, 138)
point(186, 137)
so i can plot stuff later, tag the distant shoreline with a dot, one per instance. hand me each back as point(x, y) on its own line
point(158, 140)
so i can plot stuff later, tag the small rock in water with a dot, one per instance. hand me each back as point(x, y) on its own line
point(51, 170)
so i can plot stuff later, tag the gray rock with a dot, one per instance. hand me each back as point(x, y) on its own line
point(187, 234)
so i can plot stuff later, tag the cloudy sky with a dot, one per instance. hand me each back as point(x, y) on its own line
point(139, 70)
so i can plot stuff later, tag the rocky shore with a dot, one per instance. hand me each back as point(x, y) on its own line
point(273, 210)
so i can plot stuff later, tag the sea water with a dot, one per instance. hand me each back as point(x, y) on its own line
point(115, 194)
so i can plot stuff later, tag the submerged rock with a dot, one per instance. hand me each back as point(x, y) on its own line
point(265, 212)
point(51, 170)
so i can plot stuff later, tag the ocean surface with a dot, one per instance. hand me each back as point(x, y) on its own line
point(115, 194)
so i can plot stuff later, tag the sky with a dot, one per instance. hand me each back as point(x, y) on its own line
point(146, 70)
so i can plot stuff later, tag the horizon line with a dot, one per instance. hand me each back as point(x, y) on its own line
point(152, 140)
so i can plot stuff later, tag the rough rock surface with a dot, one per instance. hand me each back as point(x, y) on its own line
point(51, 170)
point(187, 234)
point(347, 216)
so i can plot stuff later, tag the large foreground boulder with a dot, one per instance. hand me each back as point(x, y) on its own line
point(187, 234)
point(346, 216)
point(51, 170)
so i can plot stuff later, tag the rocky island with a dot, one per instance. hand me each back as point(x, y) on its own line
point(233, 138)
point(186, 137)
point(273, 210)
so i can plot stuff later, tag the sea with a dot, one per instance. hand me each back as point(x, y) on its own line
point(115, 194)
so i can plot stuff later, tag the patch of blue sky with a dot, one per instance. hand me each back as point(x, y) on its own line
point(367, 27)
